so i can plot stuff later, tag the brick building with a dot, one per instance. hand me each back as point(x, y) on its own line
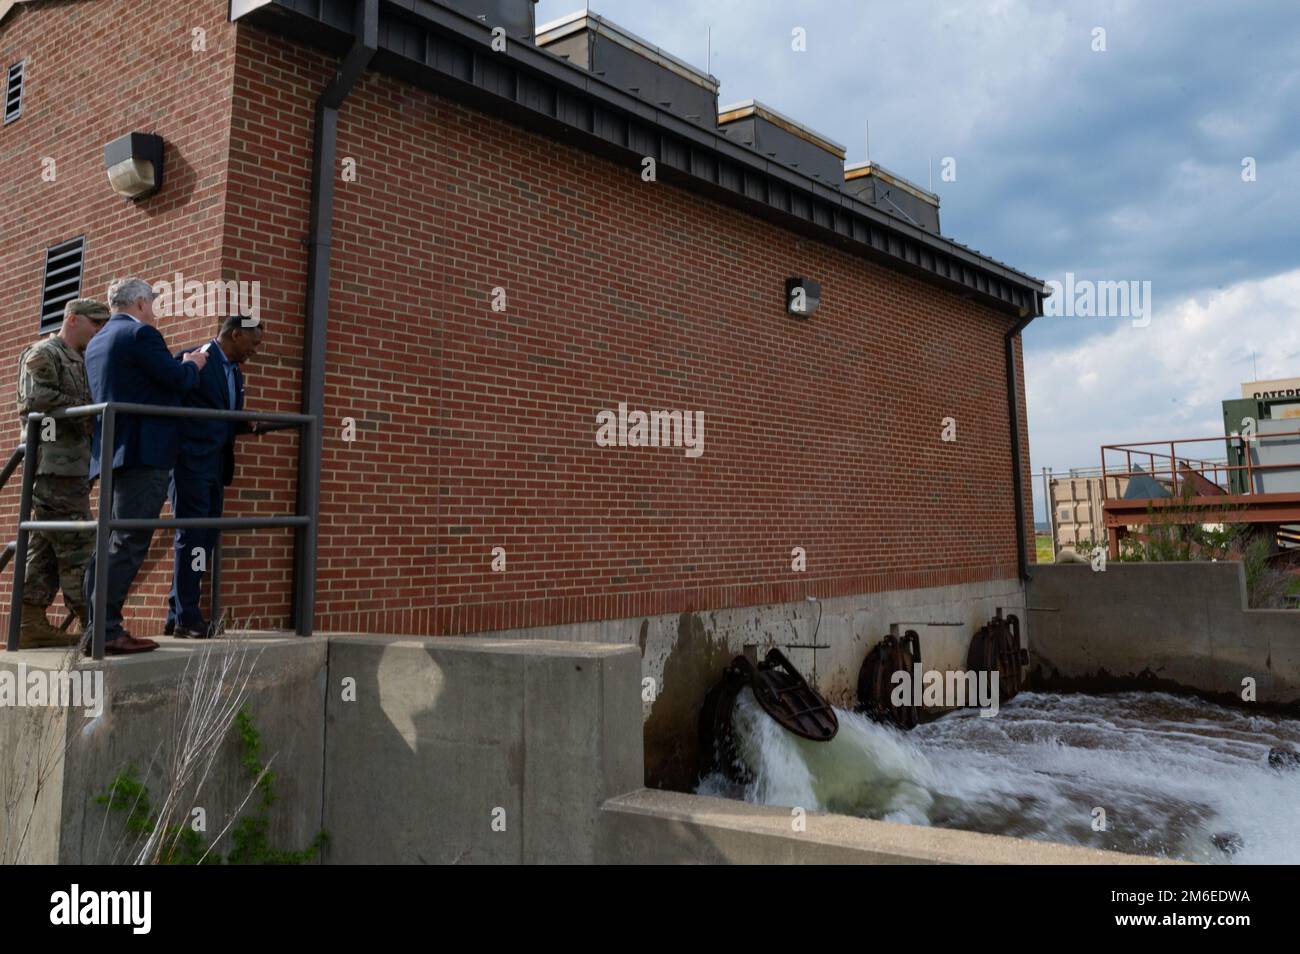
point(500, 271)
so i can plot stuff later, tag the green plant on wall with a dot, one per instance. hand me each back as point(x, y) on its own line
point(249, 836)
point(129, 796)
point(1177, 532)
point(250, 844)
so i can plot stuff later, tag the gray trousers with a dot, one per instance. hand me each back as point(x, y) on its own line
point(138, 494)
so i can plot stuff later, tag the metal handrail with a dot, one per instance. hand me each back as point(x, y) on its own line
point(1249, 467)
point(105, 523)
point(15, 459)
point(7, 554)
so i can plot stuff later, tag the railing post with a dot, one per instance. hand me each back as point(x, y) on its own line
point(1250, 469)
point(214, 609)
point(20, 548)
point(306, 538)
point(100, 610)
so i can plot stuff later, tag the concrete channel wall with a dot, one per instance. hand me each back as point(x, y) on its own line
point(436, 751)
point(1181, 627)
point(683, 655)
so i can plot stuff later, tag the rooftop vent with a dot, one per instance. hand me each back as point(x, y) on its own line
point(784, 140)
point(630, 63)
point(517, 16)
point(893, 194)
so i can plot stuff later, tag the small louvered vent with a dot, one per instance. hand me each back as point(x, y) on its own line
point(14, 92)
point(62, 282)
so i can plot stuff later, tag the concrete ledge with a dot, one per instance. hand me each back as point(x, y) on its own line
point(659, 827)
point(460, 750)
point(78, 757)
point(1165, 626)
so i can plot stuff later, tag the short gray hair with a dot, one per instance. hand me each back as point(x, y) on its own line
point(125, 292)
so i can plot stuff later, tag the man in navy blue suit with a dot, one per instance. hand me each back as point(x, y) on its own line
point(206, 466)
point(129, 362)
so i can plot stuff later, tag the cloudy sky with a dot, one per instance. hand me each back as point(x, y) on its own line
point(1117, 165)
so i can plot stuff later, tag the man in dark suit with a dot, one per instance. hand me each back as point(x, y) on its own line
point(128, 361)
point(206, 466)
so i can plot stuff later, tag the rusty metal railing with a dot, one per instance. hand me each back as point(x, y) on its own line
point(1203, 468)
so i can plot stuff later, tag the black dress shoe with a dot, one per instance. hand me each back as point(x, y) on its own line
point(184, 632)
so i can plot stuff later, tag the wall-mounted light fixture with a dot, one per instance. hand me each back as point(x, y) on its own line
point(802, 296)
point(135, 164)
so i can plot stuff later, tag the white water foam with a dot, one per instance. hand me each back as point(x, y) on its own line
point(1176, 777)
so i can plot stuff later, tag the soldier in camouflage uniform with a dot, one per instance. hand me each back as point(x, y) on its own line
point(52, 375)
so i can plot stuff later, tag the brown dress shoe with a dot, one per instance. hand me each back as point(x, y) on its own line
point(124, 645)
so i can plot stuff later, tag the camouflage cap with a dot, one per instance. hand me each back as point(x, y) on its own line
point(87, 307)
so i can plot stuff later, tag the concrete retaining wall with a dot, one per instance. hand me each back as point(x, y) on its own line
point(1174, 626)
point(471, 751)
point(57, 761)
point(684, 655)
point(459, 751)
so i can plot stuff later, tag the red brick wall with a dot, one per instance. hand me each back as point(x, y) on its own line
point(476, 429)
point(96, 71)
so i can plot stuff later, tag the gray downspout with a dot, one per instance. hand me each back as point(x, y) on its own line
point(324, 154)
point(1017, 485)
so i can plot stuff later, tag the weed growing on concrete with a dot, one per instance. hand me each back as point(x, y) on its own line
point(129, 796)
point(183, 845)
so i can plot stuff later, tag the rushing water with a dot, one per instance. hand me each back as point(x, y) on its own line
point(1177, 777)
